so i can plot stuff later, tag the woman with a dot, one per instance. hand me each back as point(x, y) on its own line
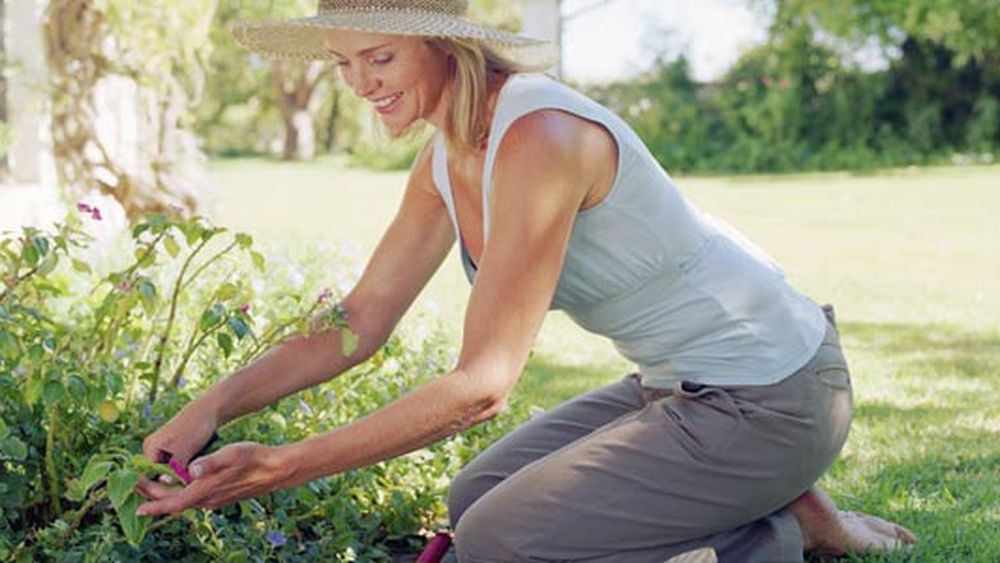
point(742, 399)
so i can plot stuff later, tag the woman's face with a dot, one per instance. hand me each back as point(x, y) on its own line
point(404, 77)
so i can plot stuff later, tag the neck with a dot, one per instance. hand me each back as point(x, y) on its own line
point(495, 82)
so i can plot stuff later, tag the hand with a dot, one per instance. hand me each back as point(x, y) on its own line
point(235, 472)
point(182, 437)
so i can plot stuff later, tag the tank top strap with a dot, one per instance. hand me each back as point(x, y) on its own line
point(442, 182)
point(523, 94)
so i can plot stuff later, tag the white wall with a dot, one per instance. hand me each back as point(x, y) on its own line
point(542, 20)
point(30, 156)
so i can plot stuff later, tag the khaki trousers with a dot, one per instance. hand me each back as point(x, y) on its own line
point(628, 474)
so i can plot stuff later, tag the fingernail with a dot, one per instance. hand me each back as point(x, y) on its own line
point(195, 470)
point(141, 511)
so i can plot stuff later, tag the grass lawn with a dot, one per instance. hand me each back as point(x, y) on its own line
point(910, 258)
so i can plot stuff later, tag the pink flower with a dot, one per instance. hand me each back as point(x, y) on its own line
point(122, 287)
point(245, 309)
point(96, 214)
point(83, 207)
point(325, 296)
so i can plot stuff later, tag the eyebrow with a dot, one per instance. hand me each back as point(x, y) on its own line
point(362, 52)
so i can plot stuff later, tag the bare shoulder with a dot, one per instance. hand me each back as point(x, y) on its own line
point(559, 137)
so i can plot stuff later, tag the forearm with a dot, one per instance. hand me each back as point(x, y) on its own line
point(289, 367)
point(430, 413)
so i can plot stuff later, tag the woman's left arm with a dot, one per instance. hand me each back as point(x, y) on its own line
point(540, 182)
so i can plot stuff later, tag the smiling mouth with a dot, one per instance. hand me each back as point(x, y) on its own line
point(387, 104)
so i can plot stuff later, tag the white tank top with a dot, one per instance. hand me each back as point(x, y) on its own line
point(681, 294)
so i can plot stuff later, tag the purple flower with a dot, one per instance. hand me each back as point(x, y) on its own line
point(96, 214)
point(84, 208)
point(245, 309)
point(305, 408)
point(325, 296)
point(147, 411)
point(276, 538)
point(182, 383)
point(122, 287)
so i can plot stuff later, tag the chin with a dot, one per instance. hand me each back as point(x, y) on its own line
point(398, 128)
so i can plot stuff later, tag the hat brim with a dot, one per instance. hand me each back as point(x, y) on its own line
point(304, 38)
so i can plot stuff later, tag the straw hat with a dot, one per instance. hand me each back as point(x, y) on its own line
point(303, 38)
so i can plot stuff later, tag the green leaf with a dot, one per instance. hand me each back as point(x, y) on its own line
point(212, 316)
point(77, 387)
point(48, 264)
point(8, 343)
point(225, 342)
point(244, 240)
point(172, 247)
point(141, 464)
point(4, 431)
point(81, 266)
point(94, 473)
point(53, 393)
point(348, 342)
point(30, 255)
point(14, 448)
point(239, 327)
point(36, 352)
point(120, 486)
point(42, 244)
point(134, 526)
point(147, 291)
point(227, 291)
point(258, 260)
point(75, 491)
point(148, 260)
point(33, 390)
point(192, 232)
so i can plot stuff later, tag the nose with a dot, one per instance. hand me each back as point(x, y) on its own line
point(361, 80)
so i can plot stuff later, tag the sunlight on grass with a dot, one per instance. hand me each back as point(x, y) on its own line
point(911, 259)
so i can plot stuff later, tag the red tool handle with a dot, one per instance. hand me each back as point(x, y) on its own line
point(436, 548)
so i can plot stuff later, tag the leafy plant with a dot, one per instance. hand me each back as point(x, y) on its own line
point(92, 362)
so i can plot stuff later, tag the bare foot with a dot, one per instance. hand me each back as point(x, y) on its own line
point(828, 531)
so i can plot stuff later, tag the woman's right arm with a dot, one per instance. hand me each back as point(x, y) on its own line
point(410, 251)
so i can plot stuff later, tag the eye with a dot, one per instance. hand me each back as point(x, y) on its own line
point(341, 63)
point(382, 59)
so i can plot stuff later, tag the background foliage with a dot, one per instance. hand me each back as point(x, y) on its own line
point(798, 102)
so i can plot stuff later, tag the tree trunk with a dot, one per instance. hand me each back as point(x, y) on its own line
point(300, 136)
point(331, 123)
point(296, 96)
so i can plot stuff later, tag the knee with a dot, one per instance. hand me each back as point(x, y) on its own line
point(464, 491)
point(481, 536)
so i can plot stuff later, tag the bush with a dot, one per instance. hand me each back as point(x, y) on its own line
point(91, 363)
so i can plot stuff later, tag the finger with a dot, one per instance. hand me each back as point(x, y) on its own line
point(208, 465)
point(174, 502)
point(168, 479)
point(154, 452)
point(152, 490)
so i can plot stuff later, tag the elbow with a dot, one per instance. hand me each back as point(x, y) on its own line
point(486, 397)
point(492, 407)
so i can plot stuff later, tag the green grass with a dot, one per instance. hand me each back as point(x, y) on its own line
point(910, 258)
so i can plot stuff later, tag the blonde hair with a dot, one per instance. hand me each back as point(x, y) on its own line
point(471, 63)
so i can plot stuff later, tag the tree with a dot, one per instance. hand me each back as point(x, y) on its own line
point(969, 29)
point(157, 47)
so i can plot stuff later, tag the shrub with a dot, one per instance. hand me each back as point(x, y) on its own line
point(91, 363)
